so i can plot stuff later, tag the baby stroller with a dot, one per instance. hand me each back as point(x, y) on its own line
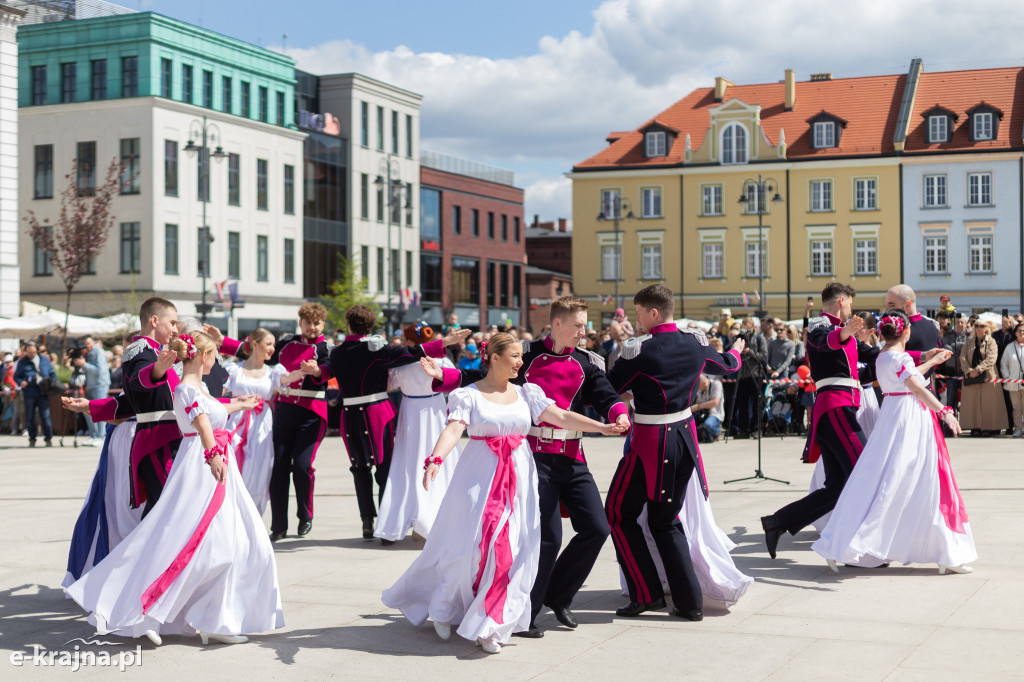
point(779, 404)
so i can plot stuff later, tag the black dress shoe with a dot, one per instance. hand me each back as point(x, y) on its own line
point(368, 528)
point(695, 615)
point(634, 609)
point(277, 535)
point(564, 616)
point(772, 532)
point(533, 633)
point(305, 527)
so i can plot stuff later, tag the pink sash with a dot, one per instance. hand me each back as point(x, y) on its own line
point(171, 573)
point(502, 492)
point(950, 503)
point(243, 439)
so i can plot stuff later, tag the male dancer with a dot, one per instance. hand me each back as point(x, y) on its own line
point(300, 416)
point(573, 378)
point(360, 364)
point(662, 369)
point(833, 353)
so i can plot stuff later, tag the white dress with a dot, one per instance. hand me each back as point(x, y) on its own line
point(252, 440)
point(200, 561)
point(440, 582)
point(405, 504)
point(867, 415)
point(901, 502)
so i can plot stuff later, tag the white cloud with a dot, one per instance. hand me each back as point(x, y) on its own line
point(554, 108)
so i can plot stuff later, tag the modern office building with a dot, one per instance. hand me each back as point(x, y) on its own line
point(140, 88)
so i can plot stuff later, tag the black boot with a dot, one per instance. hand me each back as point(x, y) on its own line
point(772, 532)
point(368, 528)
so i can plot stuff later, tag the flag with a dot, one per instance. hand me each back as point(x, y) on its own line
point(757, 298)
point(233, 292)
point(746, 301)
point(219, 288)
point(605, 300)
point(415, 298)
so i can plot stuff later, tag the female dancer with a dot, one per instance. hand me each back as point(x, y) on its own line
point(201, 559)
point(901, 502)
point(252, 431)
point(480, 561)
point(405, 503)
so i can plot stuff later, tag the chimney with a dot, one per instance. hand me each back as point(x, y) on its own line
point(721, 85)
point(562, 226)
point(821, 76)
point(536, 219)
point(790, 89)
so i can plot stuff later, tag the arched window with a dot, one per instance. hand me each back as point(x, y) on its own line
point(734, 144)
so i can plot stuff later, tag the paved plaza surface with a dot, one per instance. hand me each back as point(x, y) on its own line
point(797, 621)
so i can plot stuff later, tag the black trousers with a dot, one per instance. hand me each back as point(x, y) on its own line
point(152, 481)
point(297, 435)
point(747, 404)
point(626, 499)
point(841, 441)
point(364, 474)
point(560, 577)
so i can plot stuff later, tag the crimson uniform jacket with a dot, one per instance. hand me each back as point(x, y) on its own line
point(574, 379)
point(291, 350)
point(662, 369)
point(361, 364)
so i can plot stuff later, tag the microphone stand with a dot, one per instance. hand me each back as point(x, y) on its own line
point(761, 380)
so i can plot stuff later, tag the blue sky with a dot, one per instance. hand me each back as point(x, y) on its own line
point(536, 86)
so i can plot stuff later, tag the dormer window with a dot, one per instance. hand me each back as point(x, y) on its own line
point(655, 144)
point(826, 130)
point(734, 144)
point(984, 120)
point(939, 124)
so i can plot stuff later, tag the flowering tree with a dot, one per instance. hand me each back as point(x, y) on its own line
point(72, 244)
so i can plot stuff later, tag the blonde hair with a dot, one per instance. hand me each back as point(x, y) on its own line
point(204, 344)
point(498, 343)
point(256, 336)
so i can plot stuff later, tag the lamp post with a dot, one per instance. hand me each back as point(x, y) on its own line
point(390, 175)
point(208, 133)
point(763, 187)
point(613, 210)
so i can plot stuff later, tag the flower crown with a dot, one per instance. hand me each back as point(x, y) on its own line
point(247, 345)
point(895, 321)
point(190, 345)
point(483, 352)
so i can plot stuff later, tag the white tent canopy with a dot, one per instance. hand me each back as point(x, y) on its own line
point(53, 321)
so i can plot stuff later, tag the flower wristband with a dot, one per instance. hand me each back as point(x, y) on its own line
point(432, 460)
point(215, 451)
point(945, 410)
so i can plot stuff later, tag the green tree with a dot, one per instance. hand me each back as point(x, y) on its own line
point(347, 290)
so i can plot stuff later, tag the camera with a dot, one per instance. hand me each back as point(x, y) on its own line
point(75, 351)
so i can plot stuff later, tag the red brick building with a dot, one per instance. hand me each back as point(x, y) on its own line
point(549, 274)
point(542, 286)
point(472, 245)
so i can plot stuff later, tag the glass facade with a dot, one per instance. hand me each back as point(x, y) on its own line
point(325, 212)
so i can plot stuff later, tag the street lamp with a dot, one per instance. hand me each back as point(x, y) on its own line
point(389, 169)
point(763, 187)
point(208, 133)
point(613, 210)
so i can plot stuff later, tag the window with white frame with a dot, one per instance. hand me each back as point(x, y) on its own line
point(821, 257)
point(755, 265)
point(938, 128)
point(610, 203)
point(650, 261)
point(865, 257)
point(651, 197)
point(935, 191)
point(753, 197)
point(655, 142)
point(821, 195)
point(865, 194)
point(711, 200)
point(979, 189)
point(983, 125)
point(611, 263)
point(980, 253)
point(713, 256)
point(935, 254)
point(734, 144)
point(824, 134)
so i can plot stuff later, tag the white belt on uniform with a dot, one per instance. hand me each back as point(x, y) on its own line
point(549, 433)
point(837, 381)
point(299, 393)
point(364, 399)
point(147, 417)
point(662, 418)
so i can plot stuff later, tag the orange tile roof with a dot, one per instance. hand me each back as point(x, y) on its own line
point(960, 91)
point(870, 105)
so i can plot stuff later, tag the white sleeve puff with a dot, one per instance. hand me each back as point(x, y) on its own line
point(536, 399)
point(189, 401)
point(908, 369)
point(276, 373)
point(460, 406)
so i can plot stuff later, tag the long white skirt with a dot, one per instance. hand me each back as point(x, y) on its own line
point(258, 446)
point(709, 550)
point(228, 587)
point(867, 415)
point(889, 510)
point(405, 504)
point(439, 583)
